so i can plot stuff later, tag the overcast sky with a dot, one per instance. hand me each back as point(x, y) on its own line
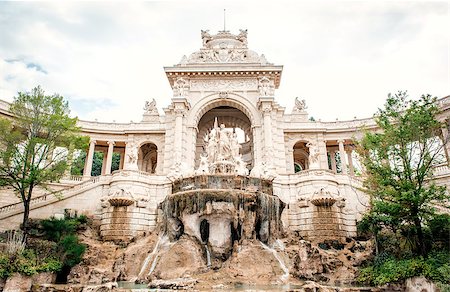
point(343, 57)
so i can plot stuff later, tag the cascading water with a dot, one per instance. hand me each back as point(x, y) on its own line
point(285, 276)
point(208, 256)
point(162, 241)
point(150, 256)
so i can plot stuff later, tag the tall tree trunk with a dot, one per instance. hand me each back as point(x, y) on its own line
point(420, 236)
point(26, 214)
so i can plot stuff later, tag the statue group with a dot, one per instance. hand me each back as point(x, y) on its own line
point(222, 153)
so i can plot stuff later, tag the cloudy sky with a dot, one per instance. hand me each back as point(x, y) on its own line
point(343, 57)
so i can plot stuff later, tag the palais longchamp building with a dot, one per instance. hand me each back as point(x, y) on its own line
point(223, 130)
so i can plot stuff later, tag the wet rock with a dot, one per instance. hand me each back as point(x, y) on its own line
point(174, 229)
point(184, 257)
point(18, 283)
point(174, 284)
point(129, 264)
point(252, 263)
point(264, 232)
point(97, 264)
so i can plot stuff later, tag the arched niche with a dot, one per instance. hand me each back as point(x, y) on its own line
point(301, 156)
point(148, 157)
point(235, 121)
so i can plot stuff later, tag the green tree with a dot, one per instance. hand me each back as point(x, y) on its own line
point(399, 161)
point(40, 125)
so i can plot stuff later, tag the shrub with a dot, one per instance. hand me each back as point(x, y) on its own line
point(55, 229)
point(71, 250)
point(50, 265)
point(387, 269)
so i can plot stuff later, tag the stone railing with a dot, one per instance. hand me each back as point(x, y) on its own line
point(54, 196)
point(441, 169)
point(73, 178)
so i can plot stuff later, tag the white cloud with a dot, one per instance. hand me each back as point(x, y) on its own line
point(342, 57)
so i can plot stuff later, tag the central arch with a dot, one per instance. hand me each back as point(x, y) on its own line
point(232, 110)
point(231, 99)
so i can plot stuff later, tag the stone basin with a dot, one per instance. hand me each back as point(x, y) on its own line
point(323, 201)
point(121, 201)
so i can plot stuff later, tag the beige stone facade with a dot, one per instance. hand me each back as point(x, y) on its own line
point(312, 163)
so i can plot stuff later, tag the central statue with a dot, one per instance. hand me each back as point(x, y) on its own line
point(221, 153)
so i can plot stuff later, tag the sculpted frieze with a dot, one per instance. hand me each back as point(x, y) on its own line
point(224, 84)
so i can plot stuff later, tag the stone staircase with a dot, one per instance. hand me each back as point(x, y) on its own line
point(52, 197)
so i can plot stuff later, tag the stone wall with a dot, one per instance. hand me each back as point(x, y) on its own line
point(125, 222)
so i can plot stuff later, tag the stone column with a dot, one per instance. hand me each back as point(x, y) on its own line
point(90, 157)
point(257, 145)
point(103, 163)
point(350, 161)
point(109, 157)
point(291, 162)
point(122, 159)
point(265, 106)
point(323, 157)
point(180, 106)
point(333, 160)
point(342, 156)
point(159, 161)
point(446, 142)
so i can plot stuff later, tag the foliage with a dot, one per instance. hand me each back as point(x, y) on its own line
point(61, 249)
point(27, 263)
point(40, 124)
point(388, 269)
point(71, 250)
point(398, 161)
point(62, 231)
point(54, 229)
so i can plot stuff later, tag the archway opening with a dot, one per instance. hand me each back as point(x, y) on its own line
point(148, 158)
point(204, 230)
point(236, 122)
point(301, 156)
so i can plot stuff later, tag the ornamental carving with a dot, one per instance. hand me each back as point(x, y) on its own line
point(300, 105)
point(224, 84)
point(266, 87)
point(150, 107)
point(180, 87)
point(224, 47)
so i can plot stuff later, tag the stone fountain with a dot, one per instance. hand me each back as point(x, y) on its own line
point(220, 205)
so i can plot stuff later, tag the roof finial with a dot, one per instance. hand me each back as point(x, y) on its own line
point(224, 18)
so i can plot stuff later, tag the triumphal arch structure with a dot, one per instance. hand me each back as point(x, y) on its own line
point(223, 119)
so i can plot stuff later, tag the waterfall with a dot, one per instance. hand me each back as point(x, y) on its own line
point(153, 255)
point(165, 243)
point(285, 276)
point(208, 256)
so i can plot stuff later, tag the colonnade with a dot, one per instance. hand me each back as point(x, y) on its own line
point(107, 159)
